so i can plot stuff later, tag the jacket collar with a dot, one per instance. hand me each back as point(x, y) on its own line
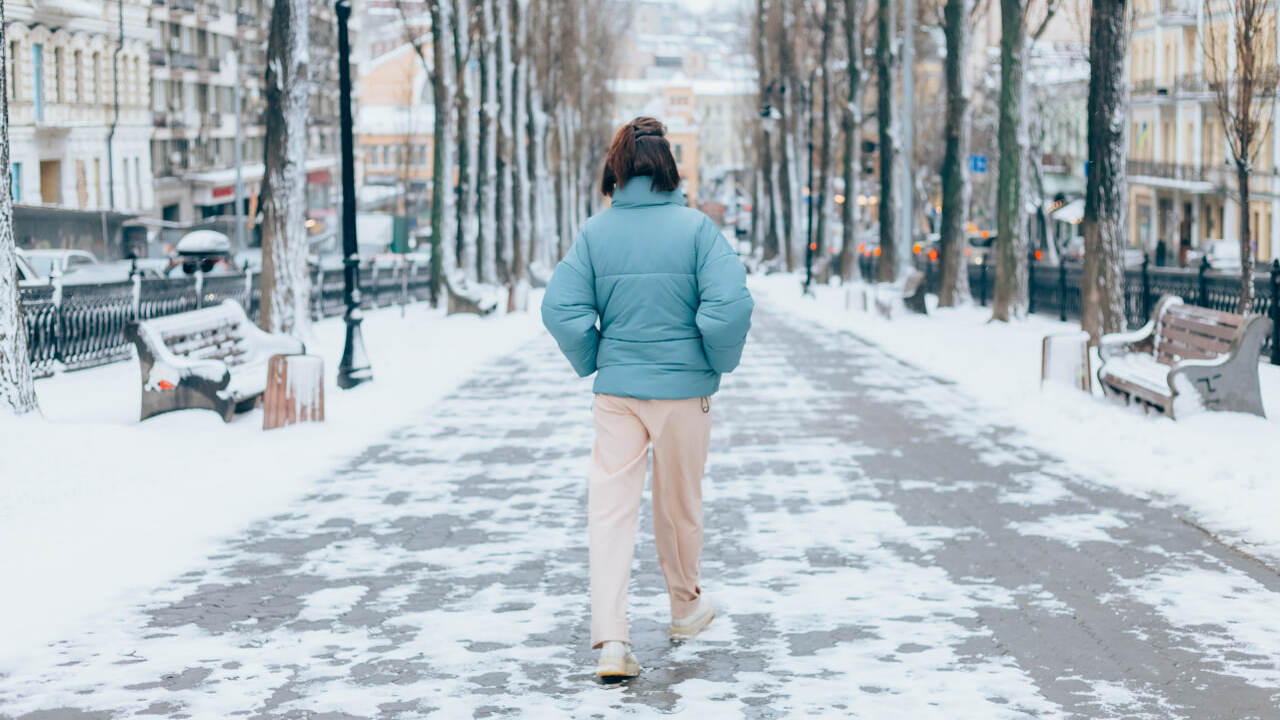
point(638, 192)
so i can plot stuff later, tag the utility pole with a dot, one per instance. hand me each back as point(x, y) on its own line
point(908, 130)
point(354, 367)
point(239, 155)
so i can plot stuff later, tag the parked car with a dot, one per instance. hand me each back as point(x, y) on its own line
point(1222, 254)
point(61, 262)
point(27, 275)
point(980, 247)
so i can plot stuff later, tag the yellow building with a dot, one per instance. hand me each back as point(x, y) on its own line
point(394, 145)
point(1181, 177)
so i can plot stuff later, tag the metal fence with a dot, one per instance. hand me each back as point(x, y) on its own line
point(78, 326)
point(1055, 290)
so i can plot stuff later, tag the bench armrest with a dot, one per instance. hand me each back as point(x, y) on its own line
point(272, 343)
point(1230, 381)
point(1113, 344)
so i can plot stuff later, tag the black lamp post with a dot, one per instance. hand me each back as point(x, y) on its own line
point(354, 368)
point(811, 243)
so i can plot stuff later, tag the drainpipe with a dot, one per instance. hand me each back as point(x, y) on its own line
point(115, 113)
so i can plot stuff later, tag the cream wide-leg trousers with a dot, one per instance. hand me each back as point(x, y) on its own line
point(679, 431)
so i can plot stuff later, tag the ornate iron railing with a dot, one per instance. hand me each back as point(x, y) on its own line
point(1055, 289)
point(78, 326)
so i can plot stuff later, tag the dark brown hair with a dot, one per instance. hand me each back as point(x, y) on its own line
point(640, 148)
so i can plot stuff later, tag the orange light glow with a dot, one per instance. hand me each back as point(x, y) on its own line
point(862, 247)
point(966, 251)
point(877, 253)
point(813, 246)
point(933, 254)
point(166, 385)
point(1039, 255)
point(985, 235)
point(916, 248)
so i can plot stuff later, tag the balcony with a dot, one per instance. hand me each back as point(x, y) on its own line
point(1178, 12)
point(183, 61)
point(158, 58)
point(1166, 170)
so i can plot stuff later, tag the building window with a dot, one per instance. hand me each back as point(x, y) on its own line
point(15, 181)
point(37, 72)
point(59, 83)
point(77, 59)
point(12, 80)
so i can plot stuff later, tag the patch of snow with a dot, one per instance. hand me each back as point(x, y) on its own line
point(96, 507)
point(1221, 466)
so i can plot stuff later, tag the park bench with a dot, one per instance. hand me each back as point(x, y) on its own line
point(464, 297)
point(214, 358)
point(1186, 358)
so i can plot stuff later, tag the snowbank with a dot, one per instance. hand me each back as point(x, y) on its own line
point(97, 508)
point(1220, 466)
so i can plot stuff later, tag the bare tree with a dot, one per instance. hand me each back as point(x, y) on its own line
point(822, 192)
point(1010, 296)
point(1106, 196)
point(852, 126)
point(17, 388)
point(886, 60)
point(286, 288)
point(1240, 60)
point(487, 162)
point(954, 287)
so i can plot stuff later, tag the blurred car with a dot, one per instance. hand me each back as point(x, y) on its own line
point(27, 275)
point(1221, 254)
point(48, 262)
point(980, 247)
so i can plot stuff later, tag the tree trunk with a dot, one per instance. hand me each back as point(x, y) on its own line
point(1245, 305)
point(443, 248)
point(954, 288)
point(286, 291)
point(852, 140)
point(17, 388)
point(521, 230)
point(1106, 190)
point(823, 189)
point(468, 225)
point(786, 139)
point(887, 265)
point(1010, 296)
point(506, 144)
point(487, 163)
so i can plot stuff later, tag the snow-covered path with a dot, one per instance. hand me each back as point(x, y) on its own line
point(877, 549)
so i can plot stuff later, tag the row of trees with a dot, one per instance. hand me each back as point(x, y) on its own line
point(847, 44)
point(520, 123)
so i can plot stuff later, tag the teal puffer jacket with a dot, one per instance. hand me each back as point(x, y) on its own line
point(651, 296)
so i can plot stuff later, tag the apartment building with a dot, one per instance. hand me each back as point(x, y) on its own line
point(1182, 188)
point(79, 133)
point(394, 133)
point(205, 52)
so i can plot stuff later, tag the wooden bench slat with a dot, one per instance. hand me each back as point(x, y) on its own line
point(1191, 345)
point(1220, 316)
point(1139, 391)
point(1202, 327)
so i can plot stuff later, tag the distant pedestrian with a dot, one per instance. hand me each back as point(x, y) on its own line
point(653, 300)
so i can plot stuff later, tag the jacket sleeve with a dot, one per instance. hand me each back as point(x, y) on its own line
point(569, 308)
point(724, 304)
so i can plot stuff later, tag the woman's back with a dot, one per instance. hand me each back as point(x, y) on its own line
point(650, 295)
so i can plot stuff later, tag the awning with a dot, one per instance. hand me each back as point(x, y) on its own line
point(1072, 212)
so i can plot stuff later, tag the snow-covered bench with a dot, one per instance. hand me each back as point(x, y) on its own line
point(214, 358)
point(1187, 358)
point(464, 297)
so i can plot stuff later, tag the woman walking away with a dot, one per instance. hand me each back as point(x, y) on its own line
point(653, 300)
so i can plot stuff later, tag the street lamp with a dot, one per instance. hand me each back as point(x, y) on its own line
point(811, 243)
point(354, 368)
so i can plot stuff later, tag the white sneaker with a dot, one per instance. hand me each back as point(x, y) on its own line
point(616, 661)
point(689, 627)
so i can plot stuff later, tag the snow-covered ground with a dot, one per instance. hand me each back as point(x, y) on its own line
point(96, 508)
point(1221, 466)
